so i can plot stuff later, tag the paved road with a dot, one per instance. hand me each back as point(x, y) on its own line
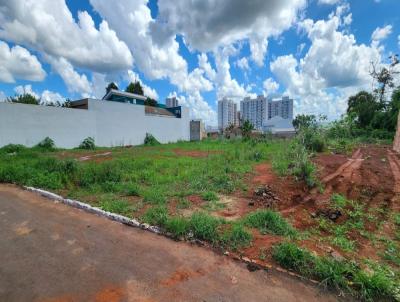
point(51, 252)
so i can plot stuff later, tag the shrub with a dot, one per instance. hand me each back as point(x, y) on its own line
point(290, 256)
point(116, 206)
point(178, 226)
point(150, 140)
point(380, 283)
point(47, 144)
point(268, 221)
point(154, 196)
point(236, 237)
point(132, 189)
point(156, 216)
point(87, 144)
point(209, 196)
point(12, 148)
point(205, 226)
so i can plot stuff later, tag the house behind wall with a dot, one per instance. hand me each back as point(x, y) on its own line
point(110, 123)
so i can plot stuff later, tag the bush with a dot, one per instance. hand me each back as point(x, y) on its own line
point(268, 221)
point(205, 226)
point(209, 196)
point(150, 140)
point(178, 226)
point(290, 256)
point(12, 148)
point(47, 144)
point(156, 216)
point(236, 237)
point(380, 283)
point(87, 144)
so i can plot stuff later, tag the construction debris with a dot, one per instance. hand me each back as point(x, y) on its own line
point(264, 196)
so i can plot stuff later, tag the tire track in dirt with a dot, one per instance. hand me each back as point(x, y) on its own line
point(346, 172)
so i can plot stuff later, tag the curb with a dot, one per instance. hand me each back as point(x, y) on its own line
point(94, 210)
point(154, 229)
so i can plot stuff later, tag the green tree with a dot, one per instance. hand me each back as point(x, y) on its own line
point(304, 121)
point(110, 86)
point(25, 98)
point(384, 77)
point(150, 102)
point(135, 87)
point(363, 107)
point(246, 128)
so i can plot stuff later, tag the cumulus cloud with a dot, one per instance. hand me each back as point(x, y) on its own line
point(243, 63)
point(47, 97)
point(207, 25)
point(49, 27)
point(381, 33)
point(270, 86)
point(334, 67)
point(18, 63)
point(75, 82)
point(131, 19)
point(2, 96)
point(330, 2)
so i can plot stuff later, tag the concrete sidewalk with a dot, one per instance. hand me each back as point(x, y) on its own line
point(51, 252)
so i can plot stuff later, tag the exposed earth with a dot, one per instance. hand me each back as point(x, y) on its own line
point(51, 252)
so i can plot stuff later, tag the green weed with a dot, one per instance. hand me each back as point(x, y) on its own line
point(268, 221)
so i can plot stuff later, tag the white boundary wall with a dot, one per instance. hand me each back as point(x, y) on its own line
point(109, 123)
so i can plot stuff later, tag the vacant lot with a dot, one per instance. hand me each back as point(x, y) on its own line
point(236, 195)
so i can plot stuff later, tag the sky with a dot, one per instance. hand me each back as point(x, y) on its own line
point(318, 52)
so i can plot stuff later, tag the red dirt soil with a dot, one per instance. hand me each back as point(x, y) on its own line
point(371, 175)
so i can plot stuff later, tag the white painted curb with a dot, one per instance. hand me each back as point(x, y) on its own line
point(88, 208)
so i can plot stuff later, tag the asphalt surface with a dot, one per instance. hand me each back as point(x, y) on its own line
point(51, 252)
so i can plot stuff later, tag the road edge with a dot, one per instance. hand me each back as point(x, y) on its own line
point(154, 229)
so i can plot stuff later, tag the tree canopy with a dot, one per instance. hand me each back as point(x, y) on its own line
point(150, 102)
point(135, 87)
point(304, 121)
point(25, 98)
point(110, 86)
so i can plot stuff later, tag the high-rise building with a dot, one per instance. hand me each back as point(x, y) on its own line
point(171, 102)
point(226, 113)
point(282, 107)
point(254, 110)
point(260, 111)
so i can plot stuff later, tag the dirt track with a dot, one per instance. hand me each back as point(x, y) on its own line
point(51, 252)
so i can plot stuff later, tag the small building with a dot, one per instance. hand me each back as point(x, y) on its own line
point(197, 130)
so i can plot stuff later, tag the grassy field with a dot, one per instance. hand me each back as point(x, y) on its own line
point(180, 187)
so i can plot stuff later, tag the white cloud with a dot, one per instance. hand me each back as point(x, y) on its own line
point(2, 96)
point(75, 82)
point(27, 89)
point(198, 108)
point(207, 25)
point(270, 86)
point(330, 2)
point(243, 63)
point(148, 91)
point(46, 96)
point(334, 67)
point(18, 63)
point(49, 27)
point(381, 33)
point(131, 19)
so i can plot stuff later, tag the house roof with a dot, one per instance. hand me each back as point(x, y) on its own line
point(124, 94)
